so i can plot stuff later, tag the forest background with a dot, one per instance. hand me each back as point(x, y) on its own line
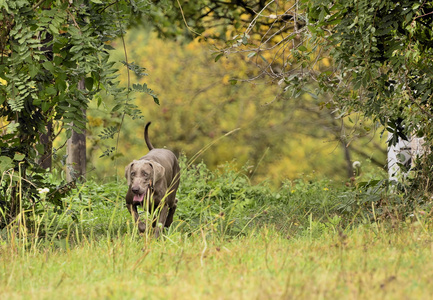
point(279, 89)
point(278, 137)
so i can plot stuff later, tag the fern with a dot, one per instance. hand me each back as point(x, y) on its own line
point(108, 133)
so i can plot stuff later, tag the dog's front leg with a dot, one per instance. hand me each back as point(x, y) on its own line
point(133, 211)
point(161, 221)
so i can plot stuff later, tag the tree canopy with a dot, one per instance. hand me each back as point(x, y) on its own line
point(46, 49)
point(372, 57)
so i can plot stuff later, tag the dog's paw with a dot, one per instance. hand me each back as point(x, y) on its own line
point(142, 227)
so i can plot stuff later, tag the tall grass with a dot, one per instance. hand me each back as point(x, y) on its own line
point(261, 264)
point(223, 202)
point(230, 240)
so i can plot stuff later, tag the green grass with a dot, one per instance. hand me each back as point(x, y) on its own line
point(366, 262)
point(311, 239)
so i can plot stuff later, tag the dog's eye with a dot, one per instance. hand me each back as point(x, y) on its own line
point(144, 174)
point(132, 174)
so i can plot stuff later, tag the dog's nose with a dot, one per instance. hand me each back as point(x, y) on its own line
point(135, 190)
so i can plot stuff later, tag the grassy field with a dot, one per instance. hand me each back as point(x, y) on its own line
point(312, 239)
point(364, 263)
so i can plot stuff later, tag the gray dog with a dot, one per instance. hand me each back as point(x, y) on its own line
point(155, 176)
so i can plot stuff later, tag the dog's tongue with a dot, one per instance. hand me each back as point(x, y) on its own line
point(138, 198)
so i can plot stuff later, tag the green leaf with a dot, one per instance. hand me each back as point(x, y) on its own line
point(58, 60)
point(217, 58)
point(76, 48)
point(244, 40)
point(48, 66)
point(46, 106)
point(19, 156)
point(51, 90)
point(155, 99)
point(53, 29)
point(88, 83)
point(5, 163)
point(117, 107)
point(60, 84)
point(33, 70)
point(98, 99)
point(40, 148)
point(12, 127)
point(302, 48)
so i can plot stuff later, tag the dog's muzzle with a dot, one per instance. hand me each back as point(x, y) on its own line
point(138, 198)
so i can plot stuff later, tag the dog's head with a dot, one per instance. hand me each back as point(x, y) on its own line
point(141, 176)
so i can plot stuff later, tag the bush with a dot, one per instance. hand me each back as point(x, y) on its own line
point(223, 202)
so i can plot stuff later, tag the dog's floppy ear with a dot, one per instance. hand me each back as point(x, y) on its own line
point(128, 173)
point(158, 171)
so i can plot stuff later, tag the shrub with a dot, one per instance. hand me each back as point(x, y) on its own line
point(223, 202)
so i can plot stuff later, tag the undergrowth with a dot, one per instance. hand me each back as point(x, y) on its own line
point(223, 202)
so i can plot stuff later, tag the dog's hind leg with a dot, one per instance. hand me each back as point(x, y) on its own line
point(171, 212)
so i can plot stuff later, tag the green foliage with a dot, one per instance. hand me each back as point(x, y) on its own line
point(278, 138)
point(372, 57)
point(54, 59)
point(383, 48)
point(383, 51)
point(199, 16)
point(224, 200)
point(222, 203)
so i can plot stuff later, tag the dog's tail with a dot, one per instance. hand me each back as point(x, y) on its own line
point(146, 137)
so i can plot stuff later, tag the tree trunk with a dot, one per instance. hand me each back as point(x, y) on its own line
point(349, 167)
point(45, 139)
point(76, 151)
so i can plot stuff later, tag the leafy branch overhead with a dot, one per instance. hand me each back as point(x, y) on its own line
point(47, 50)
point(373, 56)
point(383, 53)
